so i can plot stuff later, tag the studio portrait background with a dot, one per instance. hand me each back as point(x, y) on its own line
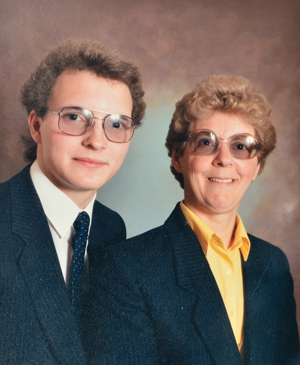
point(175, 44)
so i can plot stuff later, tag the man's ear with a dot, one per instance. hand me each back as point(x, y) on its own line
point(34, 123)
point(176, 160)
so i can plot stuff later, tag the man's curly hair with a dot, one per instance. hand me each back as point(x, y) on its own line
point(78, 56)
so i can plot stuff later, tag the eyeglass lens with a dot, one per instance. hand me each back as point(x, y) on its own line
point(241, 146)
point(77, 121)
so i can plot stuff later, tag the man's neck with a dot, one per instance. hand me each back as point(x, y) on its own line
point(80, 198)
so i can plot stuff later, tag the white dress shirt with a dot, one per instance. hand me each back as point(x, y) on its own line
point(61, 213)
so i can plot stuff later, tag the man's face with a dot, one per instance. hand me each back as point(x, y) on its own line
point(79, 165)
point(215, 184)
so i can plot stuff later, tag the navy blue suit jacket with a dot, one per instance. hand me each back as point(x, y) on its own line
point(37, 325)
point(157, 302)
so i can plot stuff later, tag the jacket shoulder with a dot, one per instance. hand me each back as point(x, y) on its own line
point(155, 243)
point(263, 245)
point(108, 219)
point(101, 209)
point(143, 251)
point(16, 183)
point(262, 249)
point(22, 177)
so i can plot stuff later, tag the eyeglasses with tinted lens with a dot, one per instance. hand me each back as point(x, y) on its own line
point(207, 142)
point(76, 121)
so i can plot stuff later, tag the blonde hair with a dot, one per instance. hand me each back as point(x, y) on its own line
point(228, 94)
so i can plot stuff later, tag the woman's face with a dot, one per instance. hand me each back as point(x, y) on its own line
point(215, 184)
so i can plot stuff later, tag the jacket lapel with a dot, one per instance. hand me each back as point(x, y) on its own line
point(194, 275)
point(39, 264)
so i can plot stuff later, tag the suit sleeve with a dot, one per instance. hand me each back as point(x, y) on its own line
point(270, 330)
point(120, 328)
point(289, 330)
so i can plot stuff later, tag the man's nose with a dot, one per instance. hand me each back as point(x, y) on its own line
point(95, 138)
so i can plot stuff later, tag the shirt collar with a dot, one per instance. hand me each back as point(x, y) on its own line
point(241, 238)
point(204, 233)
point(60, 210)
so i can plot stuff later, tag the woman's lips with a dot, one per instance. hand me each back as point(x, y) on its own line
point(221, 180)
point(88, 162)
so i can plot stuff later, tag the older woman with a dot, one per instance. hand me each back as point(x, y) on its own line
point(199, 289)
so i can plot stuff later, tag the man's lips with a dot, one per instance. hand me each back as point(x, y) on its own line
point(221, 180)
point(89, 162)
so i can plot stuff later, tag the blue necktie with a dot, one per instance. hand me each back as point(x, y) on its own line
point(81, 226)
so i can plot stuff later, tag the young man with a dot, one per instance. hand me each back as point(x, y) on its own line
point(83, 104)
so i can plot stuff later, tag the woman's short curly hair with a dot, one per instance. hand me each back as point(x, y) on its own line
point(78, 56)
point(228, 94)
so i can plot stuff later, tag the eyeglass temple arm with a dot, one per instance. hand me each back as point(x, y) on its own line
point(51, 111)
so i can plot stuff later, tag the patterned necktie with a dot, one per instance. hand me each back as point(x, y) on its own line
point(81, 226)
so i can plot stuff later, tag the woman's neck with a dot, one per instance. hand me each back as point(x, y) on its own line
point(223, 224)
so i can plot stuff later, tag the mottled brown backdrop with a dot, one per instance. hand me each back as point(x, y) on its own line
point(175, 43)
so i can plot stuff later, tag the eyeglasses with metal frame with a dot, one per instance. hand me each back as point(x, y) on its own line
point(76, 121)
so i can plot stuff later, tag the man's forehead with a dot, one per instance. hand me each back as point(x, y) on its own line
point(81, 83)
